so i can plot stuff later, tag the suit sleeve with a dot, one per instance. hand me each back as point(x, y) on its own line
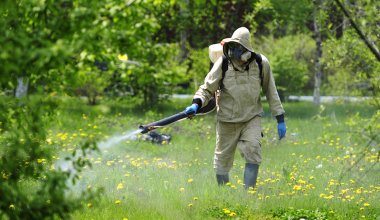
point(270, 90)
point(211, 84)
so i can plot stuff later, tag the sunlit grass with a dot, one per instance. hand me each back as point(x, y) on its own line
point(308, 170)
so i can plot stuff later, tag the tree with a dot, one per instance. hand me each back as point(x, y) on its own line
point(33, 40)
point(369, 44)
point(352, 68)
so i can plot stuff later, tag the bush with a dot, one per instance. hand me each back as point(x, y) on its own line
point(289, 58)
point(30, 188)
point(199, 63)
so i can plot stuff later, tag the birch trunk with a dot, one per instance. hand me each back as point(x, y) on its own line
point(318, 55)
point(22, 87)
point(183, 34)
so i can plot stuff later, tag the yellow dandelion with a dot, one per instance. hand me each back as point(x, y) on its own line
point(122, 57)
point(190, 205)
point(226, 211)
point(117, 202)
point(366, 204)
point(195, 198)
point(232, 214)
point(125, 218)
point(12, 206)
point(297, 187)
point(181, 189)
point(190, 180)
point(119, 186)
point(49, 141)
point(41, 160)
point(301, 181)
point(89, 205)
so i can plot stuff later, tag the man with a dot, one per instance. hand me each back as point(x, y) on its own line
point(239, 109)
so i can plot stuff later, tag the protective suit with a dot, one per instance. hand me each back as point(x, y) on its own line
point(239, 108)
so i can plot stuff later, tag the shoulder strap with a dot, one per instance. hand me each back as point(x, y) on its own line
point(259, 61)
point(255, 56)
point(224, 70)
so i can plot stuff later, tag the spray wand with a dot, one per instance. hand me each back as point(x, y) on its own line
point(177, 117)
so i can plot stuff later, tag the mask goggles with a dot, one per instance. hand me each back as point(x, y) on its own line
point(235, 51)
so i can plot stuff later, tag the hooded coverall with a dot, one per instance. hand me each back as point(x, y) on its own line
point(239, 108)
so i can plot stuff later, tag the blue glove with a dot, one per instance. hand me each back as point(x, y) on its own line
point(192, 109)
point(281, 127)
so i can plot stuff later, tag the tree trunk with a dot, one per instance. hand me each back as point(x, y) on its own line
point(318, 55)
point(183, 42)
point(22, 87)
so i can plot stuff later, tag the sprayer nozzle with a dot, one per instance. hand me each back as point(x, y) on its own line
point(143, 129)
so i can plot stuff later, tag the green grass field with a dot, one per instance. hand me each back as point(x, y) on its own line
point(312, 173)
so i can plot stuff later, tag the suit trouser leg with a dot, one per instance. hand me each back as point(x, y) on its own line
point(247, 136)
point(250, 149)
point(227, 136)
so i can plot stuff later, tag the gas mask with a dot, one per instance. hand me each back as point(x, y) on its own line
point(238, 54)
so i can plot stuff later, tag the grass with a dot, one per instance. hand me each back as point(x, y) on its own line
point(304, 175)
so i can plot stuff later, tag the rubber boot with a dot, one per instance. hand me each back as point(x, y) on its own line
point(222, 179)
point(250, 175)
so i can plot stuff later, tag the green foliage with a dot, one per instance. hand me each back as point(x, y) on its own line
point(55, 44)
point(34, 40)
point(200, 65)
point(351, 67)
point(91, 77)
point(366, 133)
point(157, 73)
point(29, 189)
point(222, 212)
point(291, 213)
point(279, 18)
point(289, 58)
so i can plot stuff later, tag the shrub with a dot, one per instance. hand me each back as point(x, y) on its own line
point(29, 187)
